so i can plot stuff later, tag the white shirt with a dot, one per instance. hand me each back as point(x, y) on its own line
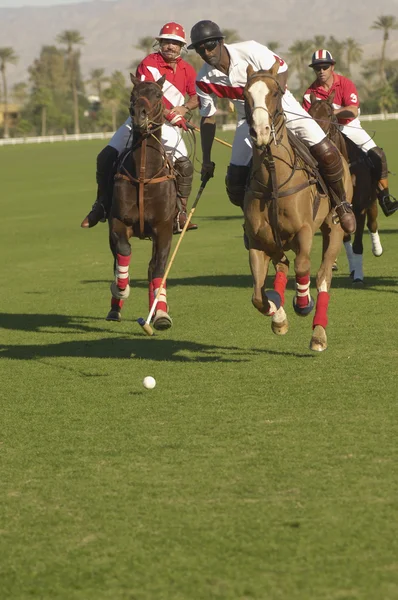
point(212, 83)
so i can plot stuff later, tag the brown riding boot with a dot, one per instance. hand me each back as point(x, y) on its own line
point(378, 159)
point(331, 169)
point(181, 218)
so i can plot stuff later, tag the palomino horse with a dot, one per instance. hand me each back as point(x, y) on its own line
point(283, 210)
point(364, 200)
point(144, 200)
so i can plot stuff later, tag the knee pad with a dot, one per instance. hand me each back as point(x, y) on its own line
point(378, 160)
point(329, 160)
point(184, 169)
point(236, 182)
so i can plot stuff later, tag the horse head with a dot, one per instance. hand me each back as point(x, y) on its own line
point(263, 103)
point(322, 111)
point(146, 104)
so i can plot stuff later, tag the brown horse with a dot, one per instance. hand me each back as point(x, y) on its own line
point(364, 200)
point(283, 209)
point(144, 200)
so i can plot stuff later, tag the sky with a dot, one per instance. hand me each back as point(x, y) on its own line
point(16, 3)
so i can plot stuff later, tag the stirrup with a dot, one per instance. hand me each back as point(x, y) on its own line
point(388, 203)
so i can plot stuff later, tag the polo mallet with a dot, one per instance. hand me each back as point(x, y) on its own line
point(146, 324)
point(190, 126)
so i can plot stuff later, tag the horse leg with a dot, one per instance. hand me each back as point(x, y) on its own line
point(372, 225)
point(332, 238)
point(280, 325)
point(303, 303)
point(161, 244)
point(120, 235)
point(357, 250)
point(349, 254)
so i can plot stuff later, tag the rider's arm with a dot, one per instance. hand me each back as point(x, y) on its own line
point(207, 133)
point(346, 112)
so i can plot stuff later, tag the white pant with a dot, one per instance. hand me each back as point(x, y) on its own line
point(171, 139)
point(297, 120)
point(358, 135)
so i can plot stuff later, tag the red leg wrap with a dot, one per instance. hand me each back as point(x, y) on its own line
point(302, 286)
point(116, 304)
point(162, 304)
point(321, 310)
point(280, 283)
point(122, 271)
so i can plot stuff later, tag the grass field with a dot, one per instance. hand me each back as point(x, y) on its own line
point(254, 470)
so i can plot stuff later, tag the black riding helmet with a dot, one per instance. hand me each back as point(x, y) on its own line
point(204, 30)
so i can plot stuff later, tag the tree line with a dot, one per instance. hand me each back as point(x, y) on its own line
point(54, 100)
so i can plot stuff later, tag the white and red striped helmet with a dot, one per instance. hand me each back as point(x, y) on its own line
point(322, 57)
point(172, 31)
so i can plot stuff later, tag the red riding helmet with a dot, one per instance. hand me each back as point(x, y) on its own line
point(172, 31)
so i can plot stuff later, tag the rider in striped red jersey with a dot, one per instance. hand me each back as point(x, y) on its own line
point(346, 109)
point(179, 85)
point(224, 76)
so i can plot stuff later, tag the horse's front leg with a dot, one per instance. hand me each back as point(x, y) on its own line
point(303, 302)
point(121, 250)
point(356, 270)
point(332, 238)
point(161, 240)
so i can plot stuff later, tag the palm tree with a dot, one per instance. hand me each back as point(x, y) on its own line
point(7, 55)
point(320, 42)
point(97, 79)
point(353, 52)
point(273, 46)
point(298, 60)
point(70, 39)
point(146, 45)
point(114, 95)
point(385, 23)
point(231, 36)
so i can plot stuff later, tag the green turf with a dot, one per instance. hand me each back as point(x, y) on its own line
point(254, 470)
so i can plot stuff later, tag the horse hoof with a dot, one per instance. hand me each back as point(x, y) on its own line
point(162, 321)
point(118, 293)
point(318, 341)
point(303, 311)
point(280, 328)
point(114, 315)
point(377, 251)
point(357, 282)
point(335, 266)
point(279, 323)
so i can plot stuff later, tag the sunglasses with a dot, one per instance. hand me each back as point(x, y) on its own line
point(209, 46)
point(321, 67)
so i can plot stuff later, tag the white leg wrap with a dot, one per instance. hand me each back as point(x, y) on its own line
point(350, 255)
point(279, 316)
point(358, 266)
point(377, 248)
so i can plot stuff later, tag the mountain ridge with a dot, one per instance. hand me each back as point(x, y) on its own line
point(110, 36)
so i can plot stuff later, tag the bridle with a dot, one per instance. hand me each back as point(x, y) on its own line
point(276, 118)
point(154, 115)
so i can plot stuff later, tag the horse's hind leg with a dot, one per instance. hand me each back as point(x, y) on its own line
point(357, 250)
point(372, 225)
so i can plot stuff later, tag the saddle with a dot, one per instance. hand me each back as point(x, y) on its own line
point(309, 164)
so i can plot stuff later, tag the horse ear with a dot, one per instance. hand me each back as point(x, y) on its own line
point(249, 71)
point(161, 81)
point(134, 80)
point(275, 68)
point(331, 97)
point(312, 98)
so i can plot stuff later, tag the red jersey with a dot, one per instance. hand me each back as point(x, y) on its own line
point(345, 95)
point(178, 84)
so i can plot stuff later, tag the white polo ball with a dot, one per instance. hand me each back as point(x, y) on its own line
point(149, 382)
